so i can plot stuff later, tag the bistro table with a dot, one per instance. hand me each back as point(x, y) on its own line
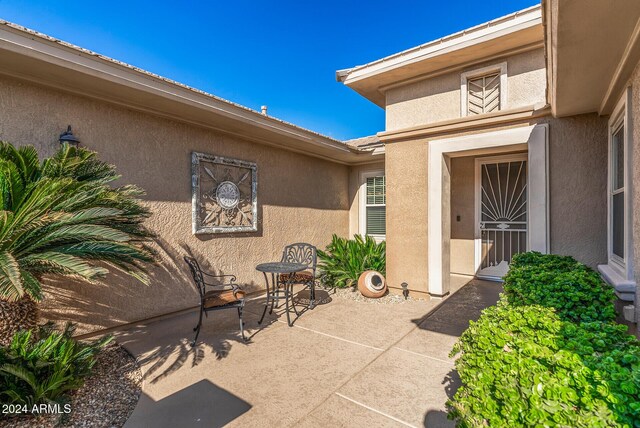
point(276, 269)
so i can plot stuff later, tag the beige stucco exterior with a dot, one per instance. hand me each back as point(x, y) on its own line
point(578, 187)
point(300, 198)
point(438, 98)
point(406, 176)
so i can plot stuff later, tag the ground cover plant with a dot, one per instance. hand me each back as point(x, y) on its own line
point(527, 363)
point(575, 291)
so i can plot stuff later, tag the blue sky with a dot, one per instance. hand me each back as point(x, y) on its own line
point(280, 53)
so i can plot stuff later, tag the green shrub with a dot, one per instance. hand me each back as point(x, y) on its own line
point(344, 260)
point(40, 367)
point(524, 366)
point(575, 291)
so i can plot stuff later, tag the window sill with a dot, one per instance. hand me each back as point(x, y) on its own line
point(625, 288)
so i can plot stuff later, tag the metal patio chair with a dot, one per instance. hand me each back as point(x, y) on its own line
point(305, 254)
point(222, 296)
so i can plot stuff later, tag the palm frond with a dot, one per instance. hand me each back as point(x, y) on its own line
point(10, 278)
point(55, 262)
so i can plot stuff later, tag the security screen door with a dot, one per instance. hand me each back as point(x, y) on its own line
point(502, 213)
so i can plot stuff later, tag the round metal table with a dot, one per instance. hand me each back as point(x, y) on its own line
point(276, 269)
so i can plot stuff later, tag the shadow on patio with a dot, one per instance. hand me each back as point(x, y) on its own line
point(163, 347)
point(453, 316)
point(202, 403)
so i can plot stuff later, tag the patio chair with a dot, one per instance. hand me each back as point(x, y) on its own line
point(223, 296)
point(305, 254)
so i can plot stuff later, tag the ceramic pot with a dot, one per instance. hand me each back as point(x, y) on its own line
point(372, 284)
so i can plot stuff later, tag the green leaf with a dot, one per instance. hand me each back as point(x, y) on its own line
point(10, 278)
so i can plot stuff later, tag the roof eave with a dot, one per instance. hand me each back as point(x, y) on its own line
point(521, 30)
point(592, 49)
point(32, 56)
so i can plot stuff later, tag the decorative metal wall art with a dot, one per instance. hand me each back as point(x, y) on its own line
point(224, 194)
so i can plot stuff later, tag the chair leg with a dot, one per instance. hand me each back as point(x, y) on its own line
point(197, 327)
point(241, 322)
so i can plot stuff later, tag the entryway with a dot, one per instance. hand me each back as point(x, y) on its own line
point(450, 229)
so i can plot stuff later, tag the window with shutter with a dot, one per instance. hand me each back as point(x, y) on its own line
point(375, 206)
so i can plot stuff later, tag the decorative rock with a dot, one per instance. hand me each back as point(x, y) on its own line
point(354, 295)
point(372, 284)
point(16, 316)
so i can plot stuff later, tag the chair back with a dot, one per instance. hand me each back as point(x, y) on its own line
point(196, 272)
point(302, 253)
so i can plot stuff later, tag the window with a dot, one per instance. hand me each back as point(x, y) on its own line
point(373, 205)
point(617, 186)
point(619, 268)
point(619, 197)
point(483, 90)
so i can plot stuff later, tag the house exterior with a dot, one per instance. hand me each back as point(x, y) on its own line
point(514, 135)
point(539, 93)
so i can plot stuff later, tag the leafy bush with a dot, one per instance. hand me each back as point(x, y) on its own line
point(575, 291)
point(40, 367)
point(548, 354)
point(344, 260)
point(525, 366)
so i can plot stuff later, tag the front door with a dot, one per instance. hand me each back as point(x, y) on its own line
point(502, 214)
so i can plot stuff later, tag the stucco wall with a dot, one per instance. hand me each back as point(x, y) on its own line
point(578, 187)
point(300, 198)
point(577, 202)
point(355, 181)
point(406, 178)
point(438, 98)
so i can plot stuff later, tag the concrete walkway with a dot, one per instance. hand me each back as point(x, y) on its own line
point(343, 364)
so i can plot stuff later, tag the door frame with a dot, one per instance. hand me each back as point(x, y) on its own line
point(477, 235)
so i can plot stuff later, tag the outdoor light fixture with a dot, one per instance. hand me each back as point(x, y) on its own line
point(68, 137)
point(405, 290)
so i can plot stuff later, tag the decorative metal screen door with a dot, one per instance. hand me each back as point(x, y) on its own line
point(502, 213)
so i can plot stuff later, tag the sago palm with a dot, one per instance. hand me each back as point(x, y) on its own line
point(61, 216)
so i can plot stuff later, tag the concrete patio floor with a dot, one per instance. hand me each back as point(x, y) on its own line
point(344, 363)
